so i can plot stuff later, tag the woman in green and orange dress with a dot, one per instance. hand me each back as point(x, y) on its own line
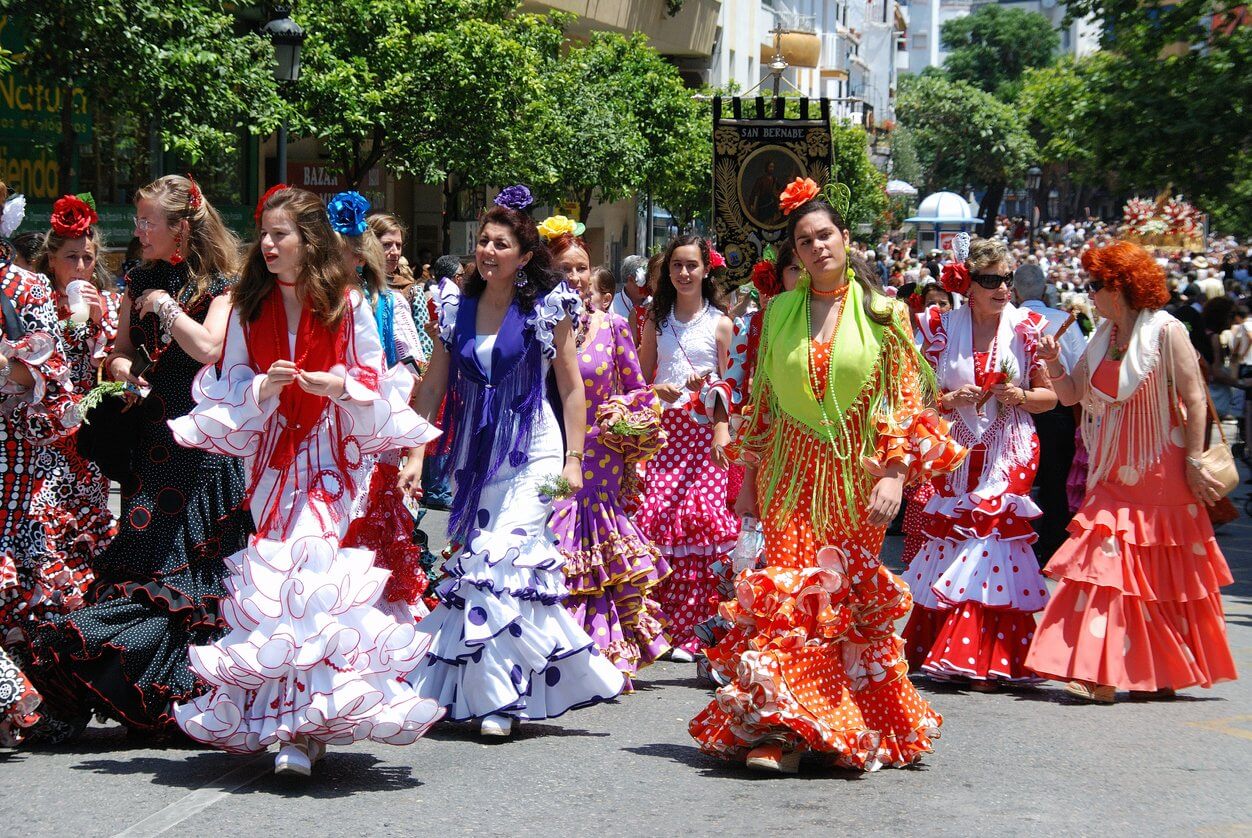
point(839, 425)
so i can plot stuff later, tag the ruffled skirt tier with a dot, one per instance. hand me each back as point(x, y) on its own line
point(308, 655)
point(501, 641)
point(1138, 606)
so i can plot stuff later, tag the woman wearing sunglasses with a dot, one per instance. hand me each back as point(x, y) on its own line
point(1139, 604)
point(975, 581)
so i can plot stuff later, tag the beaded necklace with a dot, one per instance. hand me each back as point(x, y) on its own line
point(827, 422)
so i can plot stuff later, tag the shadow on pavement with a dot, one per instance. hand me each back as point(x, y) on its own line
point(813, 768)
point(468, 732)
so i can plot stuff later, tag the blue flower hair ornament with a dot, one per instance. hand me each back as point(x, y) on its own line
point(347, 212)
point(515, 198)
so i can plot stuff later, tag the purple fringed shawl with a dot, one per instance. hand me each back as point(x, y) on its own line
point(488, 419)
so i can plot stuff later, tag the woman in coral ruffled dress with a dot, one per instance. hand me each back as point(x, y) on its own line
point(838, 427)
point(1139, 606)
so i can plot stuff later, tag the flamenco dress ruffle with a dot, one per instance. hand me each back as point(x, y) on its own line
point(684, 514)
point(1138, 606)
point(503, 643)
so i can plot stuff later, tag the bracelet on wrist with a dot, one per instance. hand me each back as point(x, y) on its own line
point(577, 455)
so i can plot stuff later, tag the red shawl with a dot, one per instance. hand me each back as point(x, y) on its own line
point(318, 348)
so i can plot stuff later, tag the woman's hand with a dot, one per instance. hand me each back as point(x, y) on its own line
point(667, 393)
point(696, 382)
point(884, 500)
point(279, 375)
point(321, 384)
point(1048, 350)
point(746, 503)
point(149, 300)
point(1009, 395)
point(95, 304)
point(119, 367)
point(965, 395)
point(1204, 486)
point(721, 438)
point(573, 474)
point(410, 478)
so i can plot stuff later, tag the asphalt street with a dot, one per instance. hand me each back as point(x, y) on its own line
point(1028, 762)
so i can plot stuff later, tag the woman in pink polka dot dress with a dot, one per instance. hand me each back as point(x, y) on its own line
point(685, 346)
point(975, 582)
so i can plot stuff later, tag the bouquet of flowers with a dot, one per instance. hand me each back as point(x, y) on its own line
point(632, 431)
point(1183, 219)
point(1006, 373)
point(555, 487)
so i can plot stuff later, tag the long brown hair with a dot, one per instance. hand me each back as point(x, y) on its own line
point(666, 294)
point(368, 249)
point(323, 280)
point(212, 249)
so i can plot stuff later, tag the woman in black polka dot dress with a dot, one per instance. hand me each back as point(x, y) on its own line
point(160, 583)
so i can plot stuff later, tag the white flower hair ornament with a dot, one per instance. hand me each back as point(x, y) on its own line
point(13, 215)
point(960, 246)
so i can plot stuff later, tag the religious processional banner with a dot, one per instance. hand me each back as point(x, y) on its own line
point(757, 151)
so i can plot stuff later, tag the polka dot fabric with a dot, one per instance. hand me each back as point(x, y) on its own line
point(161, 581)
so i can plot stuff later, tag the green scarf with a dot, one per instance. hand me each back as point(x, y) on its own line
point(811, 451)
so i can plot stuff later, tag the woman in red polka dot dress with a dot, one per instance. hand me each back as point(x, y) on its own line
point(975, 582)
point(838, 427)
point(684, 512)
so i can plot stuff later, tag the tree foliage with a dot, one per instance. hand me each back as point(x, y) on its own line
point(178, 62)
point(993, 46)
point(425, 87)
point(852, 166)
point(965, 137)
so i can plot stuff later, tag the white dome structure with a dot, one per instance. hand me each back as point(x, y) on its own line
point(944, 208)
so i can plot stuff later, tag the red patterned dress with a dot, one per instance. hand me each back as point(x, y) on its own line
point(35, 582)
point(73, 499)
point(812, 659)
point(975, 582)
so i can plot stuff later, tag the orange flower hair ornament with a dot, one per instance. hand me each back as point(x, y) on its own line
point(802, 190)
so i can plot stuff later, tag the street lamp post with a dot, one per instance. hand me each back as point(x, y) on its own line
point(1033, 177)
point(287, 37)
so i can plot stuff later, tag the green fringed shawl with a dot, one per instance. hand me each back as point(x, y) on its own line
point(872, 367)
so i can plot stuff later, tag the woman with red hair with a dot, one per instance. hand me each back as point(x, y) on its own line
point(1139, 605)
point(611, 568)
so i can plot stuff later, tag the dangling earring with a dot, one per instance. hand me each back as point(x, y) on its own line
point(177, 258)
point(360, 271)
point(520, 282)
point(804, 278)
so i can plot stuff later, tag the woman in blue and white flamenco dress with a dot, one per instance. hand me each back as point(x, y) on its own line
point(502, 646)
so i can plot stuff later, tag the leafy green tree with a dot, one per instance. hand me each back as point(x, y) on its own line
point(904, 163)
point(426, 87)
point(966, 137)
point(685, 187)
point(851, 166)
point(179, 62)
point(991, 47)
point(994, 45)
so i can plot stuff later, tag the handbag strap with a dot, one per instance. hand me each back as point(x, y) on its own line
point(1213, 419)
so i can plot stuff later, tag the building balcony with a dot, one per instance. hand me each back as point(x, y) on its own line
point(690, 33)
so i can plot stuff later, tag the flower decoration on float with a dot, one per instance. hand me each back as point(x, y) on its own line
point(516, 197)
point(269, 193)
point(555, 226)
point(347, 212)
point(74, 215)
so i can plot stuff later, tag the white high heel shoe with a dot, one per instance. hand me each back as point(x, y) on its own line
point(293, 759)
point(496, 725)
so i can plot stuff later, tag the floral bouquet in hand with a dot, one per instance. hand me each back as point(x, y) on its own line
point(1006, 373)
point(634, 432)
point(555, 487)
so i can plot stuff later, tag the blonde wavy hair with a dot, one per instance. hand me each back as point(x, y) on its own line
point(368, 249)
point(983, 253)
point(212, 249)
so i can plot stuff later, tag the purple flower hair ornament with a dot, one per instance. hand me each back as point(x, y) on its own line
point(347, 212)
point(515, 198)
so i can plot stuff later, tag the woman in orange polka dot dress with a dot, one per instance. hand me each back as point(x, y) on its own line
point(1139, 604)
point(838, 427)
point(975, 581)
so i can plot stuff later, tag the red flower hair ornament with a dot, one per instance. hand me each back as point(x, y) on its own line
point(799, 192)
point(716, 260)
point(765, 279)
point(269, 193)
point(72, 216)
point(955, 278)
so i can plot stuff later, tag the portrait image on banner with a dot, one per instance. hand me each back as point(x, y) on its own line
point(754, 158)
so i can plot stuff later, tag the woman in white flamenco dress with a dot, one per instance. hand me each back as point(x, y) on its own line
point(309, 660)
point(504, 649)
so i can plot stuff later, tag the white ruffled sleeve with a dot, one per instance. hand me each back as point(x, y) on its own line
point(560, 303)
point(447, 301)
point(374, 410)
point(229, 417)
